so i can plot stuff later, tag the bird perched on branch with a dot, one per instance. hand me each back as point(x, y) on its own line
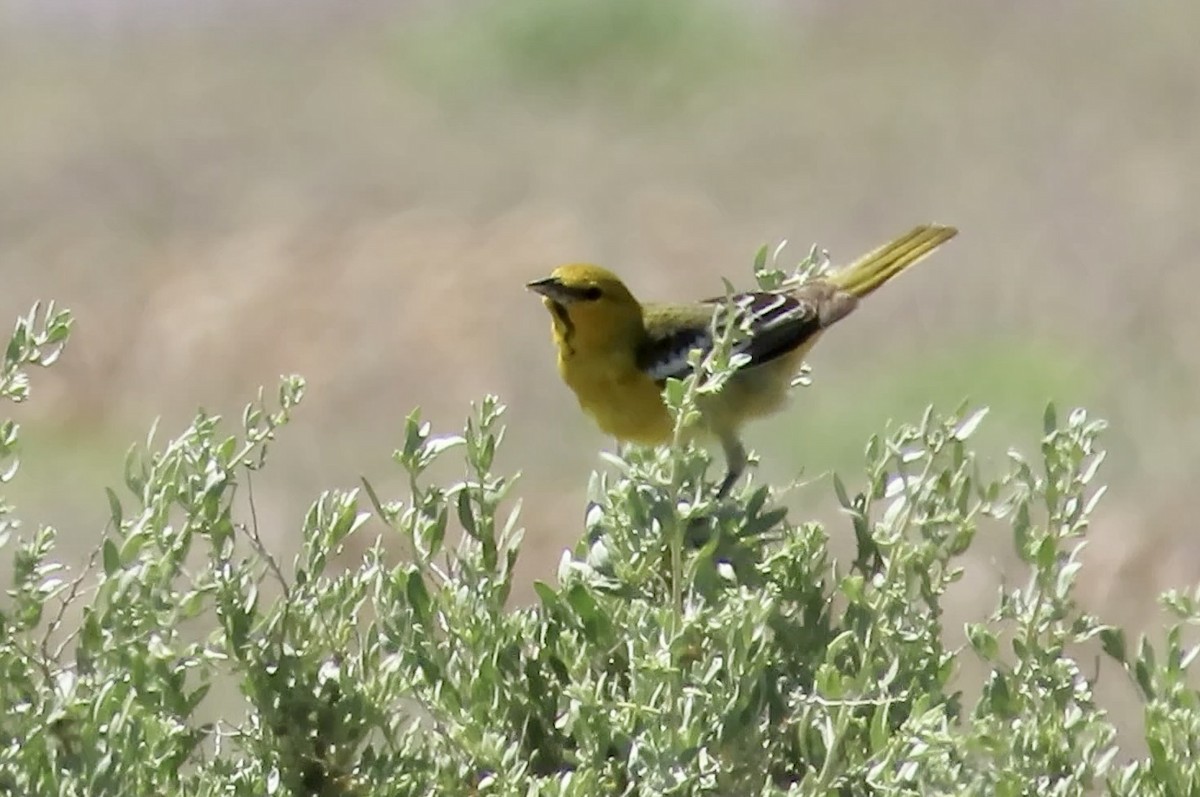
point(616, 353)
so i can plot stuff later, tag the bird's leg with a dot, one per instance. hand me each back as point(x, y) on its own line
point(735, 461)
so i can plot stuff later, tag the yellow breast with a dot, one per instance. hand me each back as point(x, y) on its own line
point(627, 404)
point(623, 401)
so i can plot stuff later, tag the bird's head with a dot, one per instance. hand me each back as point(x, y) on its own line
point(590, 305)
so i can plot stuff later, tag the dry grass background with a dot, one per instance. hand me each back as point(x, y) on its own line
point(358, 192)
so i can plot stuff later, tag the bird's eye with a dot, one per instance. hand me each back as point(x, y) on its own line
point(592, 293)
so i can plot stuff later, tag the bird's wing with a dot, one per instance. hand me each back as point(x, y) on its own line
point(779, 322)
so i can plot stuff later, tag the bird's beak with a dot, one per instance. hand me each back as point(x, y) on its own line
point(553, 289)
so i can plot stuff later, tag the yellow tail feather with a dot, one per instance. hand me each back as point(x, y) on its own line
point(879, 265)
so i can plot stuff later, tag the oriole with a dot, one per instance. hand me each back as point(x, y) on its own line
point(616, 353)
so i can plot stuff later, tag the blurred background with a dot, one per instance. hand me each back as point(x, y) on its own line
point(224, 192)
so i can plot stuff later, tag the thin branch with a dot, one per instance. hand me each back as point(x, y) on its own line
point(69, 598)
point(260, 547)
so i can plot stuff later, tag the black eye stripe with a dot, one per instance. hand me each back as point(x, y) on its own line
point(592, 293)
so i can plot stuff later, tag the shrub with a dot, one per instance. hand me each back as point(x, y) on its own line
point(687, 646)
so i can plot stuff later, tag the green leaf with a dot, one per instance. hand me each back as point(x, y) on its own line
point(1049, 420)
point(114, 507)
point(132, 547)
point(135, 470)
point(852, 587)
point(842, 643)
point(15, 353)
point(435, 532)
point(1047, 553)
point(757, 500)
point(1113, 641)
point(970, 424)
point(760, 258)
point(1090, 469)
point(1022, 528)
point(840, 490)
point(588, 610)
point(764, 523)
point(384, 514)
point(1090, 507)
point(440, 445)
point(675, 392)
point(830, 682)
point(10, 470)
point(1144, 669)
point(1000, 699)
point(548, 596)
point(418, 597)
point(983, 641)
point(466, 513)
point(879, 728)
point(111, 558)
point(1145, 681)
point(415, 433)
point(431, 531)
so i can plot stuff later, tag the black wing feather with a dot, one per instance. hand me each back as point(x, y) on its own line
point(779, 322)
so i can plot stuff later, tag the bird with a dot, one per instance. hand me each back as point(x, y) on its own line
point(616, 353)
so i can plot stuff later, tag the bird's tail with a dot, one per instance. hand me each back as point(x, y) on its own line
point(873, 269)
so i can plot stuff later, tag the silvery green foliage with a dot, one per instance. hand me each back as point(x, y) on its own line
point(687, 645)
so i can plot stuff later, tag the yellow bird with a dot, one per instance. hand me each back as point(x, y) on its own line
point(616, 353)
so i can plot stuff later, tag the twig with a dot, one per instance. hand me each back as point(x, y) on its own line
point(69, 598)
point(260, 547)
